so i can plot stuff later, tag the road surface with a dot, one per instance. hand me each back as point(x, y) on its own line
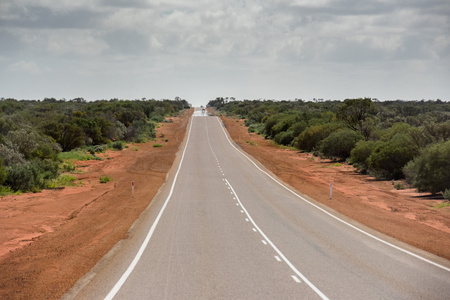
point(223, 227)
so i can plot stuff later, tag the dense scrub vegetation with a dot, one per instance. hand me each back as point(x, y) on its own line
point(389, 139)
point(34, 133)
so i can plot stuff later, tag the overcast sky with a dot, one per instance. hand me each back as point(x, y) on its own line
point(200, 50)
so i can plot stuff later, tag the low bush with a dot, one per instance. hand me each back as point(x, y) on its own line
point(248, 122)
point(118, 145)
point(446, 194)
point(101, 148)
point(157, 145)
point(75, 155)
point(430, 170)
point(309, 139)
point(339, 144)
point(399, 186)
point(31, 176)
point(388, 158)
point(91, 150)
point(284, 138)
point(359, 155)
point(10, 155)
point(3, 172)
point(67, 167)
point(256, 127)
point(105, 179)
point(5, 190)
point(140, 139)
point(63, 180)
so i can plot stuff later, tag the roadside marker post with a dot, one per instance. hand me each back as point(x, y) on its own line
point(331, 189)
point(132, 189)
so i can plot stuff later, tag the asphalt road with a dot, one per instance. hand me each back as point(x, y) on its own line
point(223, 227)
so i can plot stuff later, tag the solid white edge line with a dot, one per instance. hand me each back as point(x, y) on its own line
point(136, 259)
point(333, 216)
point(293, 268)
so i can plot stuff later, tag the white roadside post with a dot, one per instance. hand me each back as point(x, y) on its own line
point(331, 189)
point(132, 189)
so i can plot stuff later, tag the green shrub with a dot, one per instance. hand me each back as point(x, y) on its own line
point(32, 175)
point(3, 172)
point(10, 155)
point(248, 122)
point(118, 145)
point(339, 144)
point(63, 180)
point(446, 194)
point(399, 186)
point(101, 148)
point(256, 127)
point(91, 150)
point(105, 179)
point(278, 123)
point(359, 156)
point(20, 177)
point(5, 190)
point(157, 145)
point(284, 138)
point(388, 158)
point(309, 139)
point(298, 128)
point(140, 139)
point(430, 171)
point(75, 155)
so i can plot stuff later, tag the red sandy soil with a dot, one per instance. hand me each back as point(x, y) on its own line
point(406, 215)
point(51, 239)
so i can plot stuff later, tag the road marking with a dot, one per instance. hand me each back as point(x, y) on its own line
point(242, 211)
point(246, 219)
point(333, 216)
point(136, 259)
point(281, 255)
point(277, 258)
point(264, 242)
point(295, 278)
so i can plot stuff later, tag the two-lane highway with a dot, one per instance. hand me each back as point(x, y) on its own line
point(222, 227)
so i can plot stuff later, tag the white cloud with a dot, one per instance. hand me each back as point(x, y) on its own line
point(28, 67)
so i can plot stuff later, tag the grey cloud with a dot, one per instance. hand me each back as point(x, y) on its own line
point(127, 3)
point(35, 17)
point(351, 51)
point(337, 8)
point(9, 44)
point(127, 42)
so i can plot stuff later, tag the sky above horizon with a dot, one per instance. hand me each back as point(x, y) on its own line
point(200, 50)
